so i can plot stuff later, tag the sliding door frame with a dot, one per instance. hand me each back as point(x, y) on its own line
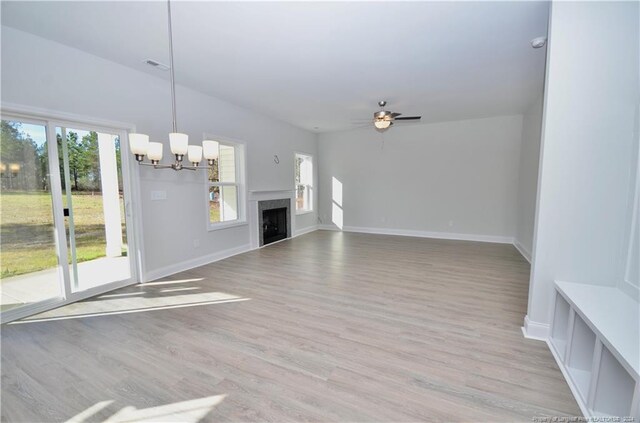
point(132, 209)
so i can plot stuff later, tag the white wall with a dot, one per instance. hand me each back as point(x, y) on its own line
point(588, 148)
point(629, 280)
point(528, 176)
point(451, 178)
point(40, 73)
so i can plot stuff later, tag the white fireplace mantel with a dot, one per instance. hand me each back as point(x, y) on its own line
point(272, 194)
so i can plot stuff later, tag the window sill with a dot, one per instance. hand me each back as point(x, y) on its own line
point(301, 212)
point(226, 225)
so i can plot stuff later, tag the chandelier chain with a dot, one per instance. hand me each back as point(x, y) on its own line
point(179, 143)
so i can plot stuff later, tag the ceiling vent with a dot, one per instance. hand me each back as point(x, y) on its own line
point(157, 65)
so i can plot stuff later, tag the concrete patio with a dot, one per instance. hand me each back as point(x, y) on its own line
point(17, 291)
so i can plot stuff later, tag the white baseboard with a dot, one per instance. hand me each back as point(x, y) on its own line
point(325, 227)
point(535, 330)
point(522, 250)
point(422, 234)
point(306, 230)
point(196, 262)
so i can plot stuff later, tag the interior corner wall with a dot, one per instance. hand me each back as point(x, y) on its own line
point(629, 279)
point(528, 176)
point(451, 179)
point(592, 92)
point(43, 74)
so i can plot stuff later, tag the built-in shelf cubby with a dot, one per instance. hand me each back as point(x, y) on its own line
point(614, 391)
point(595, 338)
point(580, 360)
point(559, 331)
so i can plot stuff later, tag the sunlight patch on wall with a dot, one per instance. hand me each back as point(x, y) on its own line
point(336, 206)
point(336, 216)
point(336, 191)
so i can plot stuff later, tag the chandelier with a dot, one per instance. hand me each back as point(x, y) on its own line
point(179, 143)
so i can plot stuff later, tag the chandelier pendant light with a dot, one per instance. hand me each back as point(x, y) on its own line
point(178, 142)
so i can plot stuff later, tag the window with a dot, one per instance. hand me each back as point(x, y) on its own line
point(304, 183)
point(226, 179)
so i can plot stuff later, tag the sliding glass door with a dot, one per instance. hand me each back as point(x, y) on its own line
point(64, 231)
point(29, 242)
point(93, 207)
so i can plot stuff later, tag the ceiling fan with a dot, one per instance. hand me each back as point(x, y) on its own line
point(383, 119)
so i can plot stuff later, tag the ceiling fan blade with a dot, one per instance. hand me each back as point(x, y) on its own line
point(408, 118)
point(393, 115)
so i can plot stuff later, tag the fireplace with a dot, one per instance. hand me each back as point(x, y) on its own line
point(274, 221)
point(274, 225)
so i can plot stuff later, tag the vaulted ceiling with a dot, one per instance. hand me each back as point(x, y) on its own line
point(319, 65)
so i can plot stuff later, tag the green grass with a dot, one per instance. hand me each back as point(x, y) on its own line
point(214, 211)
point(27, 242)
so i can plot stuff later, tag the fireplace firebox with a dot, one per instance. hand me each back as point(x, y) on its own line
point(274, 225)
point(274, 220)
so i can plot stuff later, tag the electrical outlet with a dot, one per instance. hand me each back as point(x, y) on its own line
point(196, 243)
point(451, 223)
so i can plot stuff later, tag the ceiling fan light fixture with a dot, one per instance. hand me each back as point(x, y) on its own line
point(382, 123)
point(384, 119)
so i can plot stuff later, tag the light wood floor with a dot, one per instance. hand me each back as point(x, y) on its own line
point(326, 327)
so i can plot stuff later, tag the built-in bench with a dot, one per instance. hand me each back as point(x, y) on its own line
point(595, 338)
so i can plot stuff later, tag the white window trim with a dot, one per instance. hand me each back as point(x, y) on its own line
point(312, 186)
point(241, 177)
